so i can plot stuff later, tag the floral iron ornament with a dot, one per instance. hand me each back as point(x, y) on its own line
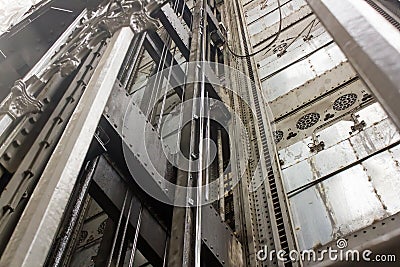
point(97, 26)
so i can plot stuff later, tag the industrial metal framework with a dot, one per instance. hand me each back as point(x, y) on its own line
point(200, 133)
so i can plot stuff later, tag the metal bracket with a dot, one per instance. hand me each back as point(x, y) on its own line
point(19, 102)
point(316, 146)
point(358, 125)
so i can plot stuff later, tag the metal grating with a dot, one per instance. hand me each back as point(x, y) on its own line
point(307, 121)
point(344, 102)
point(278, 135)
point(381, 11)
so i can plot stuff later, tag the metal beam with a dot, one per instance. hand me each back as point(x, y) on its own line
point(381, 238)
point(184, 243)
point(154, 46)
point(371, 44)
point(38, 226)
point(187, 14)
point(129, 150)
point(174, 27)
point(219, 238)
point(108, 189)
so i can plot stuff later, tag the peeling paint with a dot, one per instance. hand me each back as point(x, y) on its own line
point(321, 190)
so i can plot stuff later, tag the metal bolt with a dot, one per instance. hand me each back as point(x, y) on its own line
point(25, 131)
point(7, 157)
point(16, 143)
point(32, 120)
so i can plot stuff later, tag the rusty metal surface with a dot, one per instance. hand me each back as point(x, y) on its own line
point(371, 44)
point(354, 198)
point(219, 238)
point(313, 90)
point(297, 74)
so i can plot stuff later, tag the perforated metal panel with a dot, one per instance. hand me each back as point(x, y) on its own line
point(307, 121)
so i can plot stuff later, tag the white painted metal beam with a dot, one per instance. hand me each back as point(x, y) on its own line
point(34, 234)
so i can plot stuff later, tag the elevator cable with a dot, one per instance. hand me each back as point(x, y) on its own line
point(267, 46)
point(176, 6)
point(305, 38)
point(160, 67)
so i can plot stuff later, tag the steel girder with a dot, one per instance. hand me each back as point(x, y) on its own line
point(370, 43)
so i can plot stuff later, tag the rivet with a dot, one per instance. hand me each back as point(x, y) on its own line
point(6, 157)
point(16, 143)
point(25, 131)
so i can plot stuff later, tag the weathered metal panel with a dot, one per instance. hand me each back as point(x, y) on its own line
point(312, 222)
point(267, 27)
point(270, 62)
point(352, 199)
point(261, 9)
point(370, 42)
point(318, 111)
point(332, 159)
point(311, 77)
point(303, 71)
point(384, 173)
point(373, 138)
point(219, 238)
point(317, 87)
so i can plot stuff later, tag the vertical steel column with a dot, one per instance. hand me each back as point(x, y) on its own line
point(78, 210)
point(37, 228)
point(371, 44)
point(221, 177)
point(182, 242)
